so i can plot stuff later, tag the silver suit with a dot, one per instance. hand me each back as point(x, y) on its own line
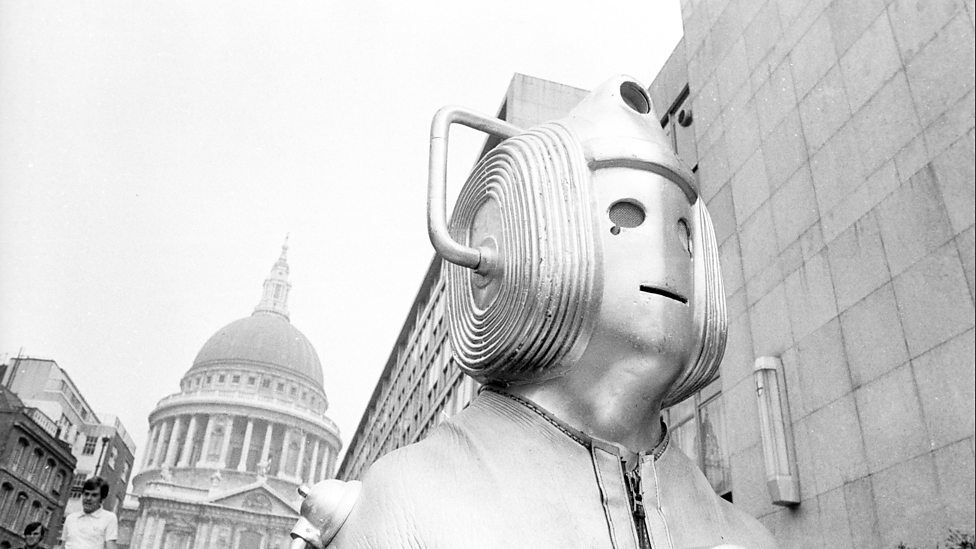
point(584, 292)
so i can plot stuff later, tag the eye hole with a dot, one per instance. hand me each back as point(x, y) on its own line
point(626, 214)
point(684, 234)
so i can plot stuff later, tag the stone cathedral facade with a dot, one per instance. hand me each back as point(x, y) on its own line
point(226, 454)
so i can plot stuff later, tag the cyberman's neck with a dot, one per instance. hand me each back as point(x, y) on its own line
point(616, 403)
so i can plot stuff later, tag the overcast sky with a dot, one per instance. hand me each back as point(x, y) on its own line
point(153, 155)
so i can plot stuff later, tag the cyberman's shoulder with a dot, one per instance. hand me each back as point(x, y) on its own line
point(404, 468)
point(748, 528)
point(402, 492)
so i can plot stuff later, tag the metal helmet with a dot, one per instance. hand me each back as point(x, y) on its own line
point(580, 230)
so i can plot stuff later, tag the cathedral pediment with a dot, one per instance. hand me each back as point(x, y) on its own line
point(256, 499)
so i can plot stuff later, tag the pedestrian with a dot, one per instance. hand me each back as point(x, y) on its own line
point(92, 527)
point(33, 534)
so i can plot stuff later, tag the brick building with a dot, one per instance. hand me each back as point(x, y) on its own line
point(35, 471)
point(100, 443)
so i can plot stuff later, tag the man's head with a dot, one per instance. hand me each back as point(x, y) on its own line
point(599, 249)
point(34, 533)
point(93, 492)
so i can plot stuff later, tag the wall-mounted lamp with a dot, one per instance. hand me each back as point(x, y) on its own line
point(782, 479)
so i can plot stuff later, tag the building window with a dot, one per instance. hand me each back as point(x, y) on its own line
point(697, 427)
point(266, 383)
point(281, 387)
point(16, 514)
point(251, 380)
point(89, 448)
point(113, 454)
point(49, 467)
point(236, 378)
point(221, 378)
point(77, 483)
point(35, 513)
point(6, 491)
point(209, 380)
point(18, 454)
point(677, 127)
point(294, 391)
point(33, 464)
point(58, 483)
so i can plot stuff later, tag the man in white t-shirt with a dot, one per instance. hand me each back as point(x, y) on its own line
point(92, 527)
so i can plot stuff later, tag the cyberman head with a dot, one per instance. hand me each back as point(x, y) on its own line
point(577, 237)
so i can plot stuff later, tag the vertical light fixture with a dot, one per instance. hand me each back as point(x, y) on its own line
point(782, 479)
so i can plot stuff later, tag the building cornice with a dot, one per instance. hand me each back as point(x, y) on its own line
point(220, 402)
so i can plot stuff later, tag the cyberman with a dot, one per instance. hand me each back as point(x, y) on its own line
point(584, 293)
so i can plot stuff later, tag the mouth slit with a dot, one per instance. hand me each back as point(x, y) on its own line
point(663, 292)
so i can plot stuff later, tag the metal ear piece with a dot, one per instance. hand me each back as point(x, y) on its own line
point(479, 259)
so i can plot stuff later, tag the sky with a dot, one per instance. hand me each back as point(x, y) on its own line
point(154, 155)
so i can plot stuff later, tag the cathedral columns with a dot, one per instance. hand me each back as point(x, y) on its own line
point(283, 453)
point(329, 462)
point(161, 444)
point(140, 537)
point(200, 539)
point(214, 534)
point(266, 449)
point(324, 471)
point(245, 449)
point(208, 434)
point(150, 448)
point(300, 463)
point(191, 432)
point(173, 446)
point(314, 463)
point(225, 447)
point(159, 532)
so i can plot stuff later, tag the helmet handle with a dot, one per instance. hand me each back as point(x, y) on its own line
point(478, 259)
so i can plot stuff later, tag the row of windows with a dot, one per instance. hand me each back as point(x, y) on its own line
point(415, 400)
point(75, 400)
point(17, 511)
point(91, 442)
point(238, 379)
point(388, 418)
point(438, 406)
point(428, 333)
point(407, 401)
point(77, 484)
point(37, 468)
